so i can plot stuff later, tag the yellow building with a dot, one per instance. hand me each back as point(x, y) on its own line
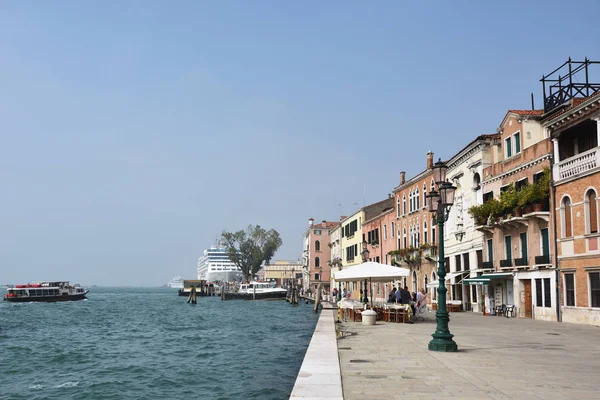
point(281, 271)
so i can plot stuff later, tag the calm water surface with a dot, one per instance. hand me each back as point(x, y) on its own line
point(148, 343)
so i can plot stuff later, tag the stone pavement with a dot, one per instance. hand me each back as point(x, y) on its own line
point(498, 358)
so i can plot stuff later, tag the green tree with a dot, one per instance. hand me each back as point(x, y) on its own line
point(250, 248)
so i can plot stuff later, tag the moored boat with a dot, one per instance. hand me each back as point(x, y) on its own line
point(45, 292)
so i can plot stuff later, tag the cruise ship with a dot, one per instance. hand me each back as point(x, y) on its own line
point(176, 282)
point(215, 266)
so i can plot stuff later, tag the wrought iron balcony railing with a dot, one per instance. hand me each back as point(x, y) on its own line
point(505, 263)
point(520, 262)
point(487, 265)
point(543, 259)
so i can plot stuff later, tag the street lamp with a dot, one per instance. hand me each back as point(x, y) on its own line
point(440, 202)
point(365, 257)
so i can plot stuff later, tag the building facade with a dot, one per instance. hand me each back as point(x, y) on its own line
point(284, 272)
point(316, 255)
point(416, 231)
point(518, 267)
point(463, 244)
point(575, 133)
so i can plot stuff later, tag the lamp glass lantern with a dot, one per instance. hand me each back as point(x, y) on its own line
point(439, 172)
point(434, 200)
point(447, 194)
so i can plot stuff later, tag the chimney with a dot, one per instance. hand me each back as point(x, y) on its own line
point(324, 221)
point(311, 221)
point(430, 160)
point(402, 177)
point(389, 195)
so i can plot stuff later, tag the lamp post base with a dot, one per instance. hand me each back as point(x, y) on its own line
point(443, 342)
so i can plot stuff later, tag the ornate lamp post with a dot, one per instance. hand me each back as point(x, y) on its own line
point(365, 258)
point(440, 202)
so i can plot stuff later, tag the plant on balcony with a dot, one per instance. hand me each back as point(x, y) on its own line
point(508, 202)
point(375, 243)
point(330, 245)
point(486, 213)
point(425, 246)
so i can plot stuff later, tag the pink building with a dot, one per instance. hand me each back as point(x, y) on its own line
point(316, 254)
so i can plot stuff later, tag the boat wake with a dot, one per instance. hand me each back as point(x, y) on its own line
point(62, 385)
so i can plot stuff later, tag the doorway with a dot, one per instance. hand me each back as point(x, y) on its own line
point(527, 307)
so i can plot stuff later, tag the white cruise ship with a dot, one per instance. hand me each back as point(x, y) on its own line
point(176, 282)
point(215, 266)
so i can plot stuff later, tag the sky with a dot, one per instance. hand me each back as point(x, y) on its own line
point(133, 133)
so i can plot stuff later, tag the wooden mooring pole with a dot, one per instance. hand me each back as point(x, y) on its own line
point(318, 297)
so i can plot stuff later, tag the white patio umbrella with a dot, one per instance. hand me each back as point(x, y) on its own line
point(373, 271)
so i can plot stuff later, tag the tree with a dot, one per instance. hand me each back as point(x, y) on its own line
point(250, 248)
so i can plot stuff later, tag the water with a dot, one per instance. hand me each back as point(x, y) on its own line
point(148, 343)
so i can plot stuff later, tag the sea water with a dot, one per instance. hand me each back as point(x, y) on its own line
point(124, 343)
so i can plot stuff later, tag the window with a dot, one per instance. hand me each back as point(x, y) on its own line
point(507, 148)
point(317, 246)
point(426, 288)
point(538, 292)
point(479, 254)
point(476, 182)
point(447, 264)
point(424, 195)
point(317, 231)
point(488, 196)
point(393, 228)
point(466, 262)
point(508, 247)
point(433, 278)
point(316, 277)
point(547, 293)
point(490, 248)
point(591, 212)
point(517, 139)
point(317, 262)
point(425, 239)
point(433, 237)
point(520, 184)
point(595, 288)
point(537, 176)
point(565, 211)
point(570, 290)
point(417, 199)
point(457, 259)
point(384, 232)
point(474, 293)
point(398, 206)
point(403, 204)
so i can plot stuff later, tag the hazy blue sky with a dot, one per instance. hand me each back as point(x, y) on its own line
point(133, 133)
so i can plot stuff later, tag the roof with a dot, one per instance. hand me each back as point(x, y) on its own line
point(526, 113)
point(575, 102)
point(375, 209)
point(324, 225)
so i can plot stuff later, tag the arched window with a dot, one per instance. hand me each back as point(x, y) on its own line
point(425, 237)
point(403, 204)
point(476, 182)
point(433, 236)
point(417, 199)
point(398, 206)
point(591, 211)
point(432, 186)
point(424, 195)
point(433, 278)
point(566, 217)
point(410, 201)
point(317, 262)
point(426, 289)
point(414, 281)
point(317, 246)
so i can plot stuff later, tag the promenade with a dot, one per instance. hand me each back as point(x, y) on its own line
point(498, 358)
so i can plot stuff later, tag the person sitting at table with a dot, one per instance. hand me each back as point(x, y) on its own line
point(391, 298)
point(344, 293)
point(399, 296)
point(392, 295)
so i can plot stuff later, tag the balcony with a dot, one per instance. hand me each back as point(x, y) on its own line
point(505, 263)
point(577, 165)
point(521, 262)
point(430, 253)
point(486, 265)
point(544, 259)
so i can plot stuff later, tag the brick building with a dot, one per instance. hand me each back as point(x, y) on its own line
point(316, 254)
point(575, 133)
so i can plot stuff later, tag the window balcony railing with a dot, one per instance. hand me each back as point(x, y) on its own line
point(577, 165)
point(543, 259)
point(521, 262)
point(505, 263)
point(487, 265)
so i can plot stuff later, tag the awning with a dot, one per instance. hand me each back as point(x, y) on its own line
point(373, 271)
point(449, 276)
point(486, 278)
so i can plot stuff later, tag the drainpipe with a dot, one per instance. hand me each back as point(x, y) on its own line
point(556, 262)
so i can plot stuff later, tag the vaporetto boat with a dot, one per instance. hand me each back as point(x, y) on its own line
point(45, 292)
